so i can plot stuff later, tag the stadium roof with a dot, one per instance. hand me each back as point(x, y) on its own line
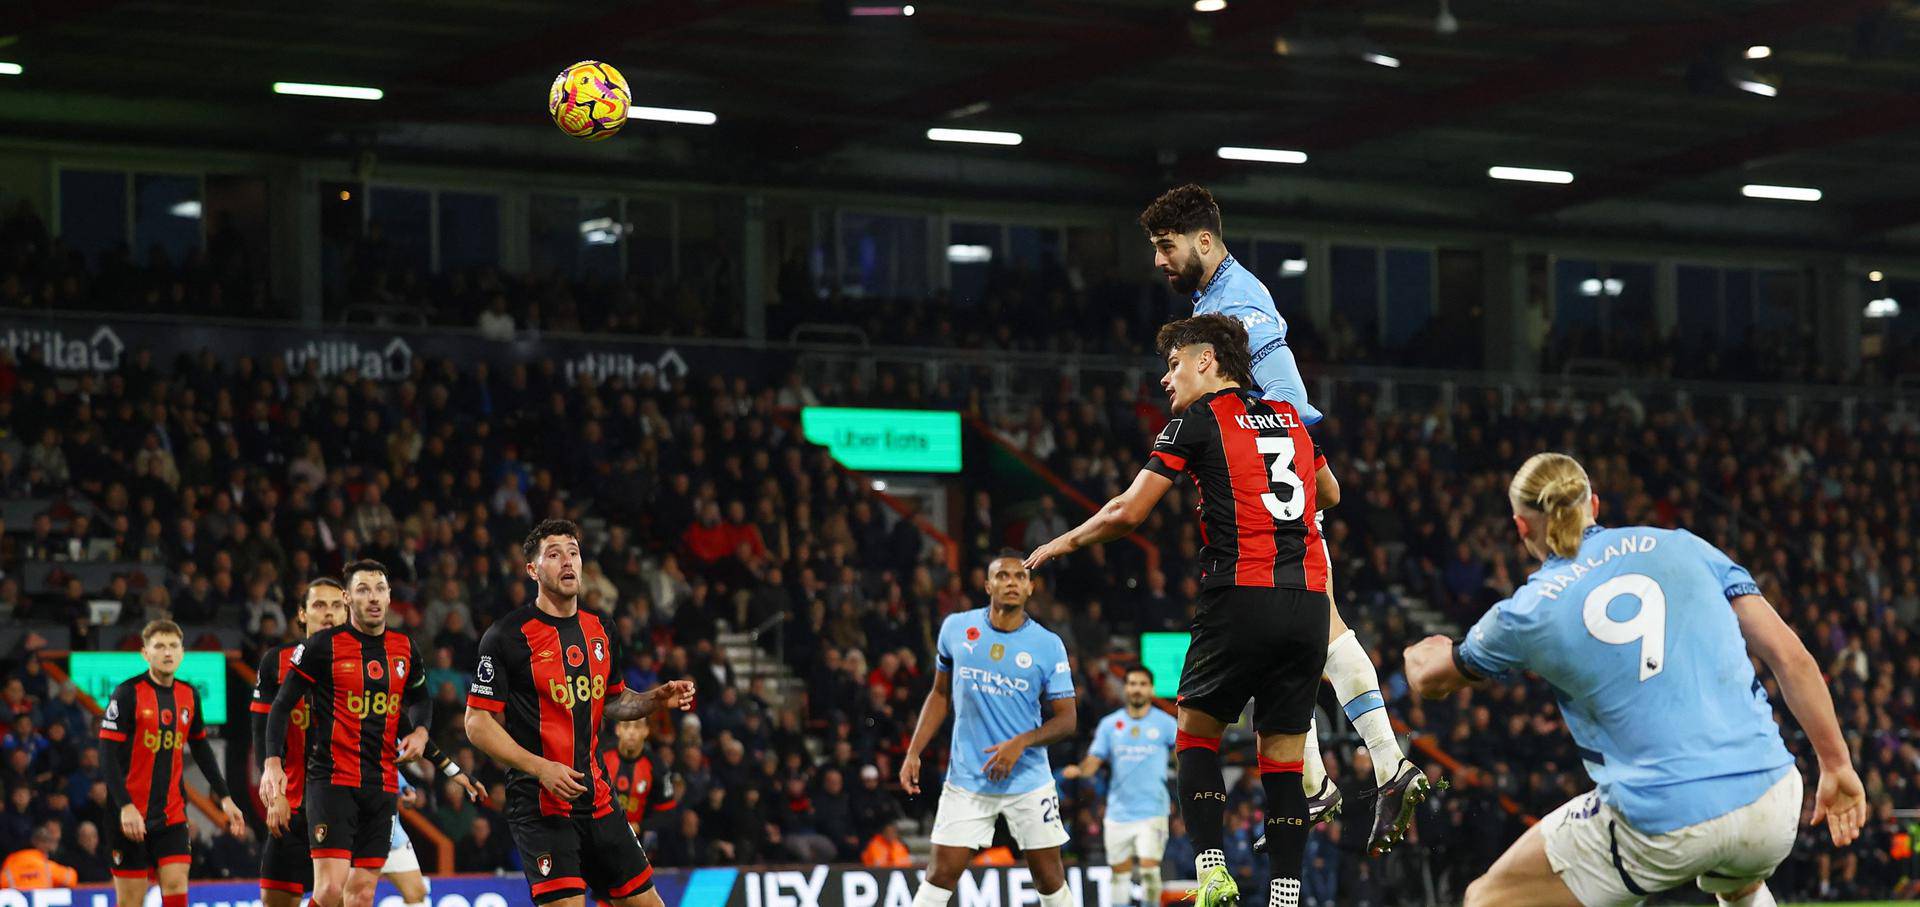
point(1640, 99)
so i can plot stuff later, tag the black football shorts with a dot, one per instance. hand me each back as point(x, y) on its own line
point(350, 823)
point(1267, 645)
point(285, 863)
point(164, 845)
point(565, 857)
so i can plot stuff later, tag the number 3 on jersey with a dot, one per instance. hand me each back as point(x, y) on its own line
point(1281, 449)
point(1649, 627)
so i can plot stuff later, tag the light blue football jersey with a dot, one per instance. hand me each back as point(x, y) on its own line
point(1000, 680)
point(1644, 653)
point(1136, 752)
point(1236, 293)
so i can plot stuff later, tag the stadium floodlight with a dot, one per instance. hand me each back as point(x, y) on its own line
point(1209, 6)
point(1780, 193)
point(880, 11)
point(1876, 276)
point(1755, 86)
point(974, 136)
point(1530, 175)
point(1293, 267)
point(1590, 287)
point(1759, 52)
point(189, 209)
point(673, 115)
point(315, 90)
point(11, 69)
point(961, 254)
point(1264, 155)
point(1884, 307)
point(1390, 62)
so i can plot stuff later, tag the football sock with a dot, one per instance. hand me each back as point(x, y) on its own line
point(1203, 792)
point(1314, 768)
point(931, 895)
point(1286, 819)
point(1061, 897)
point(1120, 889)
point(1761, 897)
point(1150, 886)
point(1358, 686)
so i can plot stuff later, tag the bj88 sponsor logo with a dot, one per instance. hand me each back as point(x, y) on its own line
point(570, 691)
point(382, 704)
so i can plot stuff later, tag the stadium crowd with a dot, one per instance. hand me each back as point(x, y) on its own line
point(706, 513)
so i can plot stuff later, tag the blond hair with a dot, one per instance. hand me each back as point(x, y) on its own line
point(1555, 485)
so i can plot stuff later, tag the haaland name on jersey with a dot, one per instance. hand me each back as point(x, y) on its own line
point(1552, 586)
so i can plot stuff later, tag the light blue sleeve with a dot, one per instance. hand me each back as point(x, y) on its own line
point(1495, 647)
point(1102, 742)
point(943, 652)
point(1059, 682)
point(1734, 579)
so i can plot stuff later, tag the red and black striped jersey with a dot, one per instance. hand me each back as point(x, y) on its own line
point(1254, 466)
point(150, 725)
point(552, 677)
point(638, 784)
point(273, 671)
point(357, 687)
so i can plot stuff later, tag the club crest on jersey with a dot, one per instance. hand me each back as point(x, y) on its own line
point(1153, 733)
point(399, 669)
point(320, 833)
point(599, 650)
point(996, 651)
point(575, 657)
point(186, 716)
point(1023, 660)
point(545, 863)
point(640, 786)
point(485, 671)
point(375, 671)
point(1168, 434)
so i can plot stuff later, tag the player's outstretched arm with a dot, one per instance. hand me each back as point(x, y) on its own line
point(1326, 489)
point(674, 694)
point(1432, 670)
point(1085, 768)
point(1116, 519)
point(933, 714)
point(1841, 800)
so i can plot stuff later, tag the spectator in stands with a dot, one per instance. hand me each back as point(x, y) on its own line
point(480, 850)
point(86, 855)
point(887, 851)
point(32, 867)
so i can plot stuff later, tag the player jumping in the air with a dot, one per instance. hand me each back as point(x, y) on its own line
point(1644, 634)
point(359, 681)
point(1261, 622)
point(1137, 740)
point(554, 670)
point(1184, 227)
point(151, 720)
point(286, 866)
point(997, 671)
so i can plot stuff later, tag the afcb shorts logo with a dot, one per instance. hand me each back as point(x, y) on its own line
point(320, 833)
point(116, 858)
point(546, 865)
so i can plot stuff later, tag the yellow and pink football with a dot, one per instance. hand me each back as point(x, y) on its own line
point(589, 100)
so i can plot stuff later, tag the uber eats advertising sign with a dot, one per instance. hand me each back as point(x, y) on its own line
point(97, 673)
point(886, 440)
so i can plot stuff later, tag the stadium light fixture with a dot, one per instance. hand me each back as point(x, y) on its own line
point(315, 90)
point(189, 209)
point(1293, 267)
point(1755, 86)
point(1209, 6)
point(1780, 193)
point(1884, 307)
point(1759, 52)
point(1876, 276)
point(969, 255)
point(1264, 155)
point(1530, 175)
point(879, 485)
point(880, 11)
point(974, 136)
point(673, 115)
point(11, 69)
point(1379, 59)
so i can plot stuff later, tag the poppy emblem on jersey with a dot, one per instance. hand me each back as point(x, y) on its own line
point(399, 669)
point(1118, 724)
point(599, 650)
point(166, 716)
point(575, 657)
point(375, 671)
point(973, 633)
point(623, 782)
point(485, 671)
point(320, 833)
point(996, 651)
point(546, 864)
point(1023, 660)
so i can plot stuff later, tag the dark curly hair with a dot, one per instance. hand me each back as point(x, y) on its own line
point(1183, 209)
point(530, 546)
point(1227, 336)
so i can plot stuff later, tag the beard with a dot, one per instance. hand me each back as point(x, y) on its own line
point(1188, 280)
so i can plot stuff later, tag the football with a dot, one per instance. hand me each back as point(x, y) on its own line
point(589, 100)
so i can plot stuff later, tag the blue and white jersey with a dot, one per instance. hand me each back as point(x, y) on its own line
point(1236, 293)
point(1136, 751)
point(1000, 681)
point(1645, 655)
